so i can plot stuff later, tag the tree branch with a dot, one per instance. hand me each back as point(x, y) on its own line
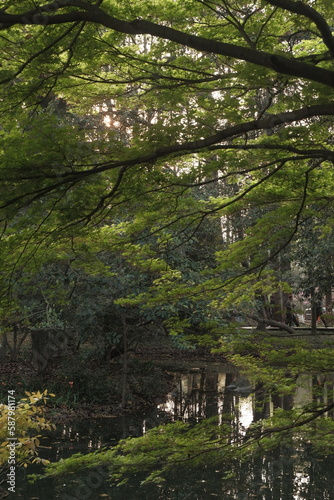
point(305, 10)
point(271, 322)
point(268, 122)
point(94, 14)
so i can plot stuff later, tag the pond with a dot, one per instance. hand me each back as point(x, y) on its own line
point(200, 392)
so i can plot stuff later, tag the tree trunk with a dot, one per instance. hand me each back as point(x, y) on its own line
point(328, 299)
point(313, 312)
point(278, 324)
point(40, 354)
point(125, 361)
point(3, 346)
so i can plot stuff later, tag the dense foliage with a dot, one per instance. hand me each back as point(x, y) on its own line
point(161, 165)
point(27, 420)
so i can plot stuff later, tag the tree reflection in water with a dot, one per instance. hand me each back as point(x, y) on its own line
point(287, 473)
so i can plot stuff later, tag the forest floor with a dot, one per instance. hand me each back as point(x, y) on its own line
point(93, 388)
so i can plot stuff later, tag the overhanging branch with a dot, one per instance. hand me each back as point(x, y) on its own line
point(305, 10)
point(177, 149)
point(94, 14)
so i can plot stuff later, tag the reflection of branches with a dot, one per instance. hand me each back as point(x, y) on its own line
point(256, 435)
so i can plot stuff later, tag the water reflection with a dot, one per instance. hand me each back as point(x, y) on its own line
point(284, 474)
point(203, 393)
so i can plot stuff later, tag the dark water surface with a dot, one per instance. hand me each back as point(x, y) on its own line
point(285, 474)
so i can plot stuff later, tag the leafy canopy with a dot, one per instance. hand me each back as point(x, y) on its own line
point(127, 126)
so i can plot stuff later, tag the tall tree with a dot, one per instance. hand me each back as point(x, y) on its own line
point(109, 105)
point(114, 115)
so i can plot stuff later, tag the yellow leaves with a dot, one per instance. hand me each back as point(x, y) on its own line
point(39, 460)
point(35, 397)
point(29, 423)
point(168, 277)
